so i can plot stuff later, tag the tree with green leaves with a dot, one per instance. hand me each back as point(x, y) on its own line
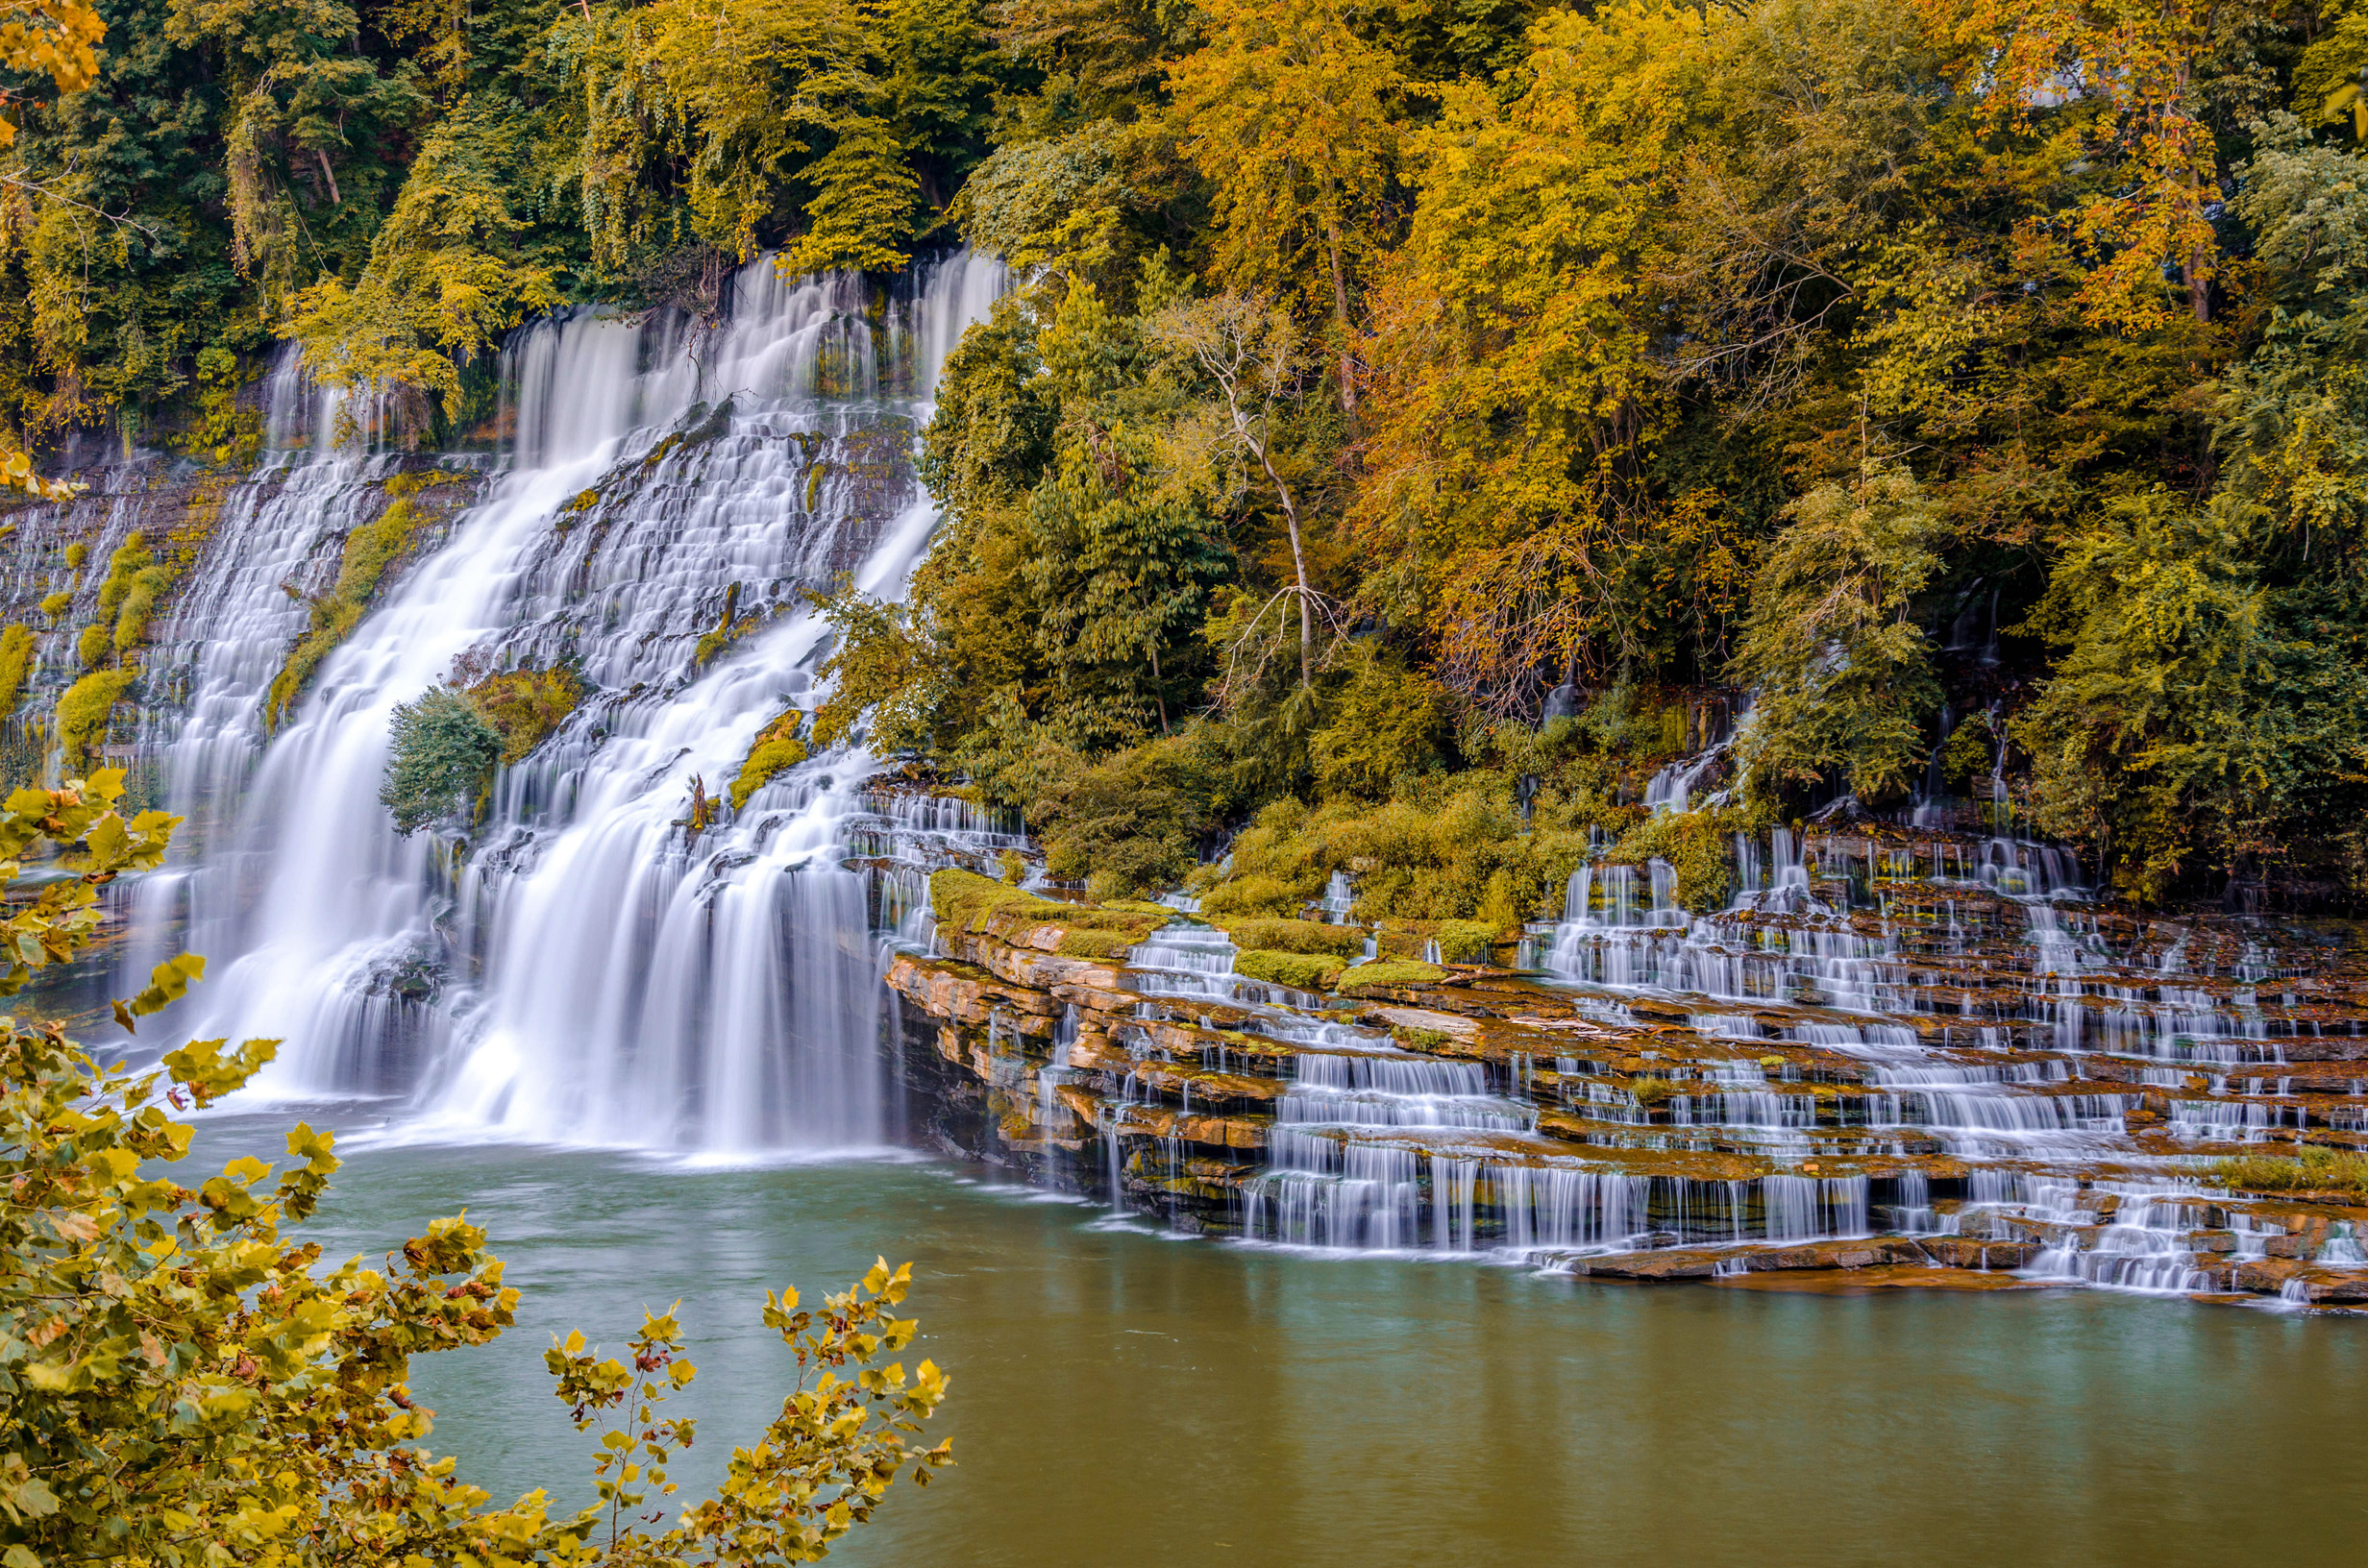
point(182, 1382)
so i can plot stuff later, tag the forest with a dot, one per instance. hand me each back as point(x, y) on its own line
point(1410, 425)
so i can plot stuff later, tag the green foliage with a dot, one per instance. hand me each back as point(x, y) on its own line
point(1466, 941)
point(1300, 971)
point(1452, 848)
point(442, 757)
point(436, 290)
point(1126, 825)
point(369, 550)
point(85, 709)
point(2207, 712)
point(2314, 1168)
point(188, 1383)
point(776, 749)
point(1388, 974)
point(15, 663)
point(1842, 669)
point(1296, 937)
point(1389, 723)
point(881, 668)
point(524, 705)
point(1695, 845)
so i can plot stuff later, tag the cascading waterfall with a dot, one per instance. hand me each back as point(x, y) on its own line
point(593, 971)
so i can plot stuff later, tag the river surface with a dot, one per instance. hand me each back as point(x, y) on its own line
point(1122, 1397)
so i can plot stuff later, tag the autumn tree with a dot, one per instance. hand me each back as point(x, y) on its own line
point(183, 1381)
point(1292, 118)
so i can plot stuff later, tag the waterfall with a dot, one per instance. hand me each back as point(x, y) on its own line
point(590, 969)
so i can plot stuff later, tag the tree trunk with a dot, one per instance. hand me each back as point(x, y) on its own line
point(1157, 696)
point(1299, 567)
point(1339, 305)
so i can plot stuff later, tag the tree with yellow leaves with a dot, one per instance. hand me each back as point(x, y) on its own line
point(182, 1382)
point(1293, 119)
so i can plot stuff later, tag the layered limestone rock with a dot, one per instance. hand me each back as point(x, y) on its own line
point(1937, 1092)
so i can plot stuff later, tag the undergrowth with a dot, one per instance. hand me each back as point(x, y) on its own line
point(2316, 1169)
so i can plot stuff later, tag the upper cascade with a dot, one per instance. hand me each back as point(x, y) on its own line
point(592, 964)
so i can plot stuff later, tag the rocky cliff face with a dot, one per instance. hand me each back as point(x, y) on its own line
point(1639, 1133)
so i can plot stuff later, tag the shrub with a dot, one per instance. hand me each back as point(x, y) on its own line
point(2316, 1169)
point(1387, 723)
point(1393, 974)
point(186, 1382)
point(369, 550)
point(442, 755)
point(1464, 942)
point(1296, 937)
point(1695, 844)
point(15, 663)
point(75, 554)
point(83, 710)
point(776, 748)
point(1300, 971)
point(57, 604)
point(90, 648)
point(1842, 671)
point(1128, 824)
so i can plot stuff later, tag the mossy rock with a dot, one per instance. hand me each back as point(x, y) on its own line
point(1300, 971)
point(971, 902)
point(1464, 942)
point(1391, 973)
point(776, 748)
point(1097, 942)
point(1296, 937)
point(964, 900)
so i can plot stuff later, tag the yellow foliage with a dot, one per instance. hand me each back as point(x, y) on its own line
point(15, 663)
point(775, 747)
point(369, 549)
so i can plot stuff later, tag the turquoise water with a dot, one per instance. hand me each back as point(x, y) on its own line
point(1121, 1397)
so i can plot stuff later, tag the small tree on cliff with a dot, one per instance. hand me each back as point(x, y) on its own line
point(181, 1383)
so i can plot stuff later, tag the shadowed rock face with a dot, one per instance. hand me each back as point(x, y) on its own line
point(1903, 1067)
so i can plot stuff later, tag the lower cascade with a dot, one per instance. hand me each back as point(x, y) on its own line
point(1883, 1056)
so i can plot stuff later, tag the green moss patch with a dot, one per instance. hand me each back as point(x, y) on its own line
point(970, 902)
point(83, 710)
point(777, 747)
point(16, 660)
point(1391, 972)
point(1300, 971)
point(369, 550)
point(2317, 1169)
point(1296, 937)
point(526, 705)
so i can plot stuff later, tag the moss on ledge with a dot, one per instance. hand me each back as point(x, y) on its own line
point(1391, 972)
point(1300, 971)
point(967, 901)
point(369, 550)
point(1295, 935)
point(776, 748)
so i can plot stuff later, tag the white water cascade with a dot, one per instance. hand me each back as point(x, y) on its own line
point(591, 969)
